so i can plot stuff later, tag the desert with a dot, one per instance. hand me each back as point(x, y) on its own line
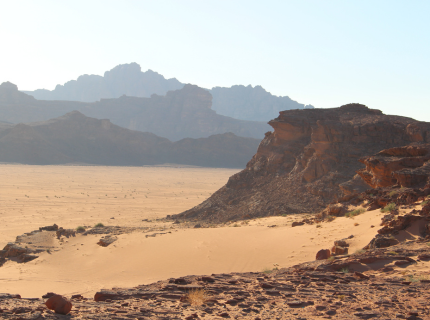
point(186, 160)
point(44, 195)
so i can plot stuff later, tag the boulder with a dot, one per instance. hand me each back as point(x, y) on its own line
point(323, 254)
point(59, 304)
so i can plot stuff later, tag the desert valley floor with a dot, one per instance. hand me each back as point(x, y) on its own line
point(136, 197)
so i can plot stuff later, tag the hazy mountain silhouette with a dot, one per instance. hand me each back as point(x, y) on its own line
point(240, 102)
point(75, 138)
point(251, 103)
point(184, 113)
point(124, 79)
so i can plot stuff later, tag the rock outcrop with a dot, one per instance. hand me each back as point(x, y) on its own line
point(309, 161)
point(407, 166)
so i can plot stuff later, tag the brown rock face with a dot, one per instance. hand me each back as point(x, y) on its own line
point(407, 166)
point(59, 304)
point(310, 160)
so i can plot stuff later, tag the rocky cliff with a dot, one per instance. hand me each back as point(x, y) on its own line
point(75, 138)
point(310, 160)
point(180, 114)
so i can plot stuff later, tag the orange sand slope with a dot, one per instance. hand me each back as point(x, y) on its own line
point(82, 266)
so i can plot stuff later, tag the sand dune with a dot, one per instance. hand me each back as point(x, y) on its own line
point(72, 196)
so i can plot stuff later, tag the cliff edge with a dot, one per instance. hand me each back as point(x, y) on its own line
point(308, 161)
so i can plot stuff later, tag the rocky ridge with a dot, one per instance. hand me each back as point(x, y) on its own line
point(309, 161)
point(75, 138)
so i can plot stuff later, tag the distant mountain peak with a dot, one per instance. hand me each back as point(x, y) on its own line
point(9, 85)
point(249, 102)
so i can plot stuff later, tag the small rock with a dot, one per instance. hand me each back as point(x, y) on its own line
point(361, 275)
point(297, 223)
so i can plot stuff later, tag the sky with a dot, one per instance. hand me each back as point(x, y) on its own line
point(325, 53)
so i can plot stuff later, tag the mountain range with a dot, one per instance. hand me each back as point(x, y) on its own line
point(184, 113)
point(75, 138)
point(240, 102)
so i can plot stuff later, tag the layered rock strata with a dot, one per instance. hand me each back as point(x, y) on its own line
point(310, 160)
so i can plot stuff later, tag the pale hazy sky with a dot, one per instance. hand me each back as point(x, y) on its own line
point(321, 52)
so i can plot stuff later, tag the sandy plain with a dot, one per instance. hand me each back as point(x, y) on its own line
point(71, 196)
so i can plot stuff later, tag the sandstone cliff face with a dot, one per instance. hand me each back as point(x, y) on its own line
point(407, 166)
point(309, 160)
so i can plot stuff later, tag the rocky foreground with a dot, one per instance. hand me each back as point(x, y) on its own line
point(383, 283)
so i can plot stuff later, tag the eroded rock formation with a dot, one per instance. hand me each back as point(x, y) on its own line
point(310, 160)
point(407, 166)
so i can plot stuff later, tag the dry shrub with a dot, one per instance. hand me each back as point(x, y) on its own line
point(197, 297)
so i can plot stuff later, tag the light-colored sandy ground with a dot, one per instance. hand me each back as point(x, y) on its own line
point(33, 196)
point(70, 196)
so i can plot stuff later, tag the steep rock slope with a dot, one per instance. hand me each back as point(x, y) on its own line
point(303, 164)
point(251, 103)
point(124, 79)
point(184, 113)
point(75, 138)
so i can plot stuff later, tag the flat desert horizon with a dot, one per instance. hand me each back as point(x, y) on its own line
point(137, 197)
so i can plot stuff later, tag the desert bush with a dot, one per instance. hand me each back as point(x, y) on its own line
point(391, 207)
point(424, 203)
point(99, 225)
point(355, 212)
point(80, 229)
point(345, 270)
point(197, 297)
